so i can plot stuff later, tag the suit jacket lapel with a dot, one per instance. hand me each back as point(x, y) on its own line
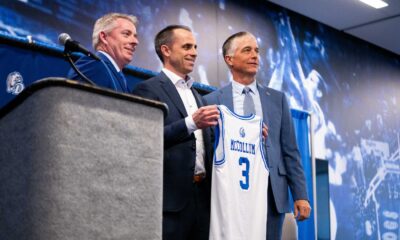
point(197, 97)
point(172, 93)
point(226, 97)
point(119, 81)
point(264, 98)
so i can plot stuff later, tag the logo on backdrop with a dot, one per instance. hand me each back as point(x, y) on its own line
point(15, 83)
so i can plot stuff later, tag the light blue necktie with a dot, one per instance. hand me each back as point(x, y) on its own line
point(248, 103)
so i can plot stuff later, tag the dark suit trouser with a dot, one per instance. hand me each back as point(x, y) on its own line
point(193, 221)
point(274, 219)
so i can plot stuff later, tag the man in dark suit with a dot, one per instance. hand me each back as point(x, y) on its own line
point(115, 40)
point(240, 52)
point(187, 146)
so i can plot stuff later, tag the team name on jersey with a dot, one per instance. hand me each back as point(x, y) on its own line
point(243, 147)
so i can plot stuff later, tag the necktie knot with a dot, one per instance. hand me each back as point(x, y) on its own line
point(246, 90)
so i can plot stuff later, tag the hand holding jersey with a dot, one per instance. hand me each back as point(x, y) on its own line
point(206, 116)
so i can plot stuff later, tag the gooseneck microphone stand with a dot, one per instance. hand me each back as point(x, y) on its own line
point(67, 55)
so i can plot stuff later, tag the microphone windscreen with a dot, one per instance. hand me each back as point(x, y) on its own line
point(63, 38)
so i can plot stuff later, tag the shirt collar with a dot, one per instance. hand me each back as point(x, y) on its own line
point(111, 60)
point(177, 80)
point(238, 87)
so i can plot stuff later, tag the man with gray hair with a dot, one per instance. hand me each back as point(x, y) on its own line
point(244, 96)
point(115, 40)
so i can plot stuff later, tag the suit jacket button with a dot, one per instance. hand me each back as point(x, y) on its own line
point(194, 146)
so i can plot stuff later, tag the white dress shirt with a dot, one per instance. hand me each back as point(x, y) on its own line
point(111, 60)
point(187, 97)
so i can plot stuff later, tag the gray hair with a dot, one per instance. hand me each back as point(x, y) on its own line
point(229, 46)
point(165, 37)
point(107, 23)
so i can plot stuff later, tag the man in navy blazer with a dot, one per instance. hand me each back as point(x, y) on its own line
point(115, 40)
point(240, 52)
point(187, 143)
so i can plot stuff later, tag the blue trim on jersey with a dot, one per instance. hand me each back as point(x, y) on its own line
point(222, 160)
point(248, 117)
point(262, 145)
point(216, 136)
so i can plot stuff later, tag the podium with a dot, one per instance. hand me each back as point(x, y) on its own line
point(80, 162)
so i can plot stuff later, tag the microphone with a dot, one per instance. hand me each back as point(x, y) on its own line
point(74, 46)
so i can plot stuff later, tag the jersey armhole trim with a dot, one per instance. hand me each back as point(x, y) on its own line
point(262, 146)
point(220, 136)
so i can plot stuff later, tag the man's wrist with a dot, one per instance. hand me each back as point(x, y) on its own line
point(190, 124)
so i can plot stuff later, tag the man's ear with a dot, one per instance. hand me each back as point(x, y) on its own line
point(228, 60)
point(103, 38)
point(165, 50)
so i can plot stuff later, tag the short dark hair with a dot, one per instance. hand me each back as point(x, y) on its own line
point(165, 37)
point(227, 46)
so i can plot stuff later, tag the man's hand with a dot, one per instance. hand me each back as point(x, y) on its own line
point(206, 116)
point(302, 209)
point(265, 131)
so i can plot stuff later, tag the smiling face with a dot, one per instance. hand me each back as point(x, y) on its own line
point(120, 43)
point(244, 61)
point(180, 55)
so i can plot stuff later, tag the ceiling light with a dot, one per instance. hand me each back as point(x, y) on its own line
point(375, 3)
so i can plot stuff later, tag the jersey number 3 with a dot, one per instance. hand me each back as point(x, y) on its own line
point(244, 183)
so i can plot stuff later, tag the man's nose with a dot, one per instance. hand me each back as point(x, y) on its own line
point(134, 40)
point(254, 54)
point(193, 52)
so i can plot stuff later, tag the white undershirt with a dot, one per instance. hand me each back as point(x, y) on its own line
point(187, 97)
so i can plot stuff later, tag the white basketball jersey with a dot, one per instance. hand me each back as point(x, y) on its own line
point(239, 179)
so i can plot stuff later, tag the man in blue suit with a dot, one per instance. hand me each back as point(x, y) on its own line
point(241, 54)
point(187, 144)
point(115, 40)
